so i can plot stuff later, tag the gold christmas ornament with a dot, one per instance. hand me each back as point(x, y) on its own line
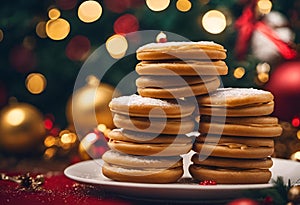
point(21, 127)
point(88, 106)
point(294, 194)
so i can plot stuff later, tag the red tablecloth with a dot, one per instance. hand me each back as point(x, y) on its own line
point(56, 190)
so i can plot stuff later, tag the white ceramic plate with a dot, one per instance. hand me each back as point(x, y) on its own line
point(90, 172)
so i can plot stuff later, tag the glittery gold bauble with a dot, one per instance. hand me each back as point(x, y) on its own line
point(88, 106)
point(21, 127)
point(294, 194)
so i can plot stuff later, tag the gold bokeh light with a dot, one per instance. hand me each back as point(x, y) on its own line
point(239, 72)
point(214, 21)
point(264, 6)
point(15, 117)
point(57, 29)
point(40, 29)
point(117, 46)
point(89, 11)
point(183, 5)
point(54, 13)
point(35, 83)
point(157, 5)
point(263, 77)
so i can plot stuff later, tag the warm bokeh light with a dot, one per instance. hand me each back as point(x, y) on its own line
point(296, 156)
point(68, 138)
point(15, 117)
point(117, 46)
point(1, 35)
point(183, 5)
point(57, 29)
point(158, 5)
point(54, 13)
point(101, 127)
point(89, 11)
point(263, 68)
point(126, 23)
point(298, 134)
point(40, 29)
point(239, 72)
point(50, 152)
point(161, 38)
point(263, 77)
point(50, 141)
point(214, 21)
point(35, 83)
point(264, 6)
point(29, 42)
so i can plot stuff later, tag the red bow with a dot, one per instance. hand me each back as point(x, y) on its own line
point(247, 23)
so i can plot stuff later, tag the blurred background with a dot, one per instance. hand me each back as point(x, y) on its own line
point(43, 45)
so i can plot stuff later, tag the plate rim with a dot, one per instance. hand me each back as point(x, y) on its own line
point(108, 182)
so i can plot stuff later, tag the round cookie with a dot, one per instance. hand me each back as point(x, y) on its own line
point(258, 109)
point(179, 92)
point(181, 50)
point(184, 68)
point(247, 126)
point(233, 97)
point(130, 168)
point(222, 162)
point(135, 105)
point(157, 125)
point(230, 176)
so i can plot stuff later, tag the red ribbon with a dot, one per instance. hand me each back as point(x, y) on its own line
point(247, 23)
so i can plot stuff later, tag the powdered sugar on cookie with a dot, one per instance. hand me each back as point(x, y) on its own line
point(139, 100)
point(237, 92)
point(178, 44)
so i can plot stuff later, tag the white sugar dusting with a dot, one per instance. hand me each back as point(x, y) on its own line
point(139, 100)
point(177, 43)
point(133, 158)
point(237, 92)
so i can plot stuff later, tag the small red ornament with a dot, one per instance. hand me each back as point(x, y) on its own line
point(207, 182)
point(284, 84)
point(243, 201)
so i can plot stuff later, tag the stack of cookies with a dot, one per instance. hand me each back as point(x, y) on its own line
point(150, 138)
point(153, 127)
point(237, 136)
point(179, 69)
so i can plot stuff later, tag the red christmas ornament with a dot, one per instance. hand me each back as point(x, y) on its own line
point(284, 83)
point(126, 24)
point(78, 48)
point(243, 201)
